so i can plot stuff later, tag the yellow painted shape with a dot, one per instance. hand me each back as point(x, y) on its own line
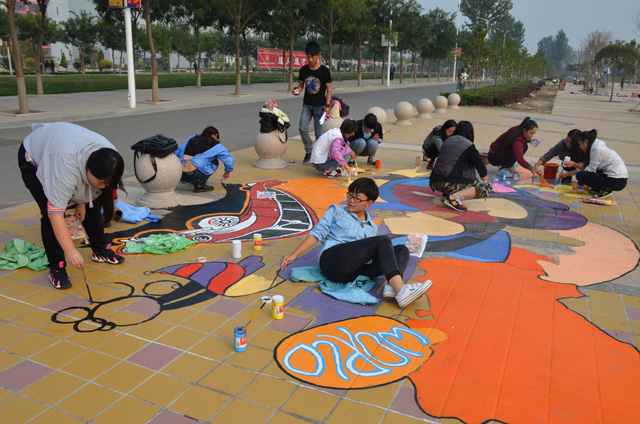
point(249, 285)
point(497, 206)
point(423, 223)
point(412, 172)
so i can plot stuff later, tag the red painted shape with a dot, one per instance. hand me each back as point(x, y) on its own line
point(188, 270)
point(229, 276)
point(516, 354)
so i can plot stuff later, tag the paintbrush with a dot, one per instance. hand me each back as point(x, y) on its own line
point(87, 285)
point(265, 300)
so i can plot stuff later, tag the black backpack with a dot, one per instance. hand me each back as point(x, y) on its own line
point(157, 146)
point(269, 123)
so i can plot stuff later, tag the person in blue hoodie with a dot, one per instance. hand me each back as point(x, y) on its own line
point(200, 157)
point(367, 138)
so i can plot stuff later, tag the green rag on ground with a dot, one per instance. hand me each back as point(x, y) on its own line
point(19, 253)
point(159, 244)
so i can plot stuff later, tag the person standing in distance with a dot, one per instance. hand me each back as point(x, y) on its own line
point(316, 81)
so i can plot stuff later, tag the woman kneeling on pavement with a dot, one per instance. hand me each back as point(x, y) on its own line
point(511, 147)
point(454, 174)
point(566, 148)
point(604, 171)
point(200, 157)
point(351, 247)
point(433, 143)
point(331, 151)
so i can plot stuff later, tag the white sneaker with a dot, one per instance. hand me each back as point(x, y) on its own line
point(388, 292)
point(411, 292)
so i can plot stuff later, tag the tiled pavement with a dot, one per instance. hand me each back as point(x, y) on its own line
point(179, 366)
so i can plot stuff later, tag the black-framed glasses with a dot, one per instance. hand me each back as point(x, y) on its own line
point(354, 197)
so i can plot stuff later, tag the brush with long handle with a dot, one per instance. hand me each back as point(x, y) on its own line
point(87, 285)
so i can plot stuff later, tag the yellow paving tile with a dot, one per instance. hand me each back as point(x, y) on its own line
point(4, 394)
point(90, 365)
point(18, 409)
point(52, 388)
point(266, 338)
point(576, 304)
point(10, 333)
point(635, 326)
point(282, 418)
point(274, 371)
point(124, 377)
point(393, 418)
point(59, 354)
point(121, 346)
point(380, 396)
point(151, 330)
point(348, 411)
point(607, 322)
point(181, 338)
point(606, 308)
point(200, 403)
point(631, 301)
point(21, 291)
point(228, 379)
point(11, 311)
point(312, 404)
point(128, 410)
point(29, 344)
point(177, 316)
point(52, 416)
point(89, 401)
point(205, 321)
point(190, 367)
point(254, 358)
point(604, 297)
point(91, 339)
point(214, 347)
point(161, 390)
point(240, 411)
point(267, 391)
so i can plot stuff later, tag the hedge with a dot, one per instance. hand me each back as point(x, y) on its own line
point(501, 95)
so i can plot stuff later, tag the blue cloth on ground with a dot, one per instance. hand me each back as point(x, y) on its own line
point(135, 214)
point(356, 291)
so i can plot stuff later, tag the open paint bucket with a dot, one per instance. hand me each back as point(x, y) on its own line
point(550, 170)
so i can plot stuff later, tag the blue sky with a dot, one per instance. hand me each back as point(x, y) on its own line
point(576, 18)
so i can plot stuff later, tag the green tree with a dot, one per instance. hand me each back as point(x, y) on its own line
point(36, 31)
point(161, 40)
point(556, 49)
point(478, 52)
point(22, 88)
point(181, 37)
point(210, 42)
point(111, 36)
point(617, 55)
point(492, 11)
point(330, 20)
point(81, 31)
point(442, 39)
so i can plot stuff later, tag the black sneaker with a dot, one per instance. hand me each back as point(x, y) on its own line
point(202, 187)
point(332, 173)
point(566, 180)
point(107, 255)
point(307, 159)
point(603, 194)
point(454, 204)
point(59, 279)
point(371, 160)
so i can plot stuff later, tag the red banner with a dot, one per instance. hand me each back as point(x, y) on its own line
point(272, 59)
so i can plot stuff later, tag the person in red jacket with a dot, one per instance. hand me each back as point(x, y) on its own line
point(511, 147)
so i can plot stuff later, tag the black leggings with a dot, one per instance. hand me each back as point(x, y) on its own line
point(599, 181)
point(92, 221)
point(344, 262)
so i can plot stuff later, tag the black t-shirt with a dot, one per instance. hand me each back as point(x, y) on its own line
point(315, 84)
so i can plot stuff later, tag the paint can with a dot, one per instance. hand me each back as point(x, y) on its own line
point(574, 188)
point(565, 160)
point(503, 176)
point(240, 338)
point(585, 189)
point(237, 249)
point(277, 307)
point(257, 241)
point(378, 164)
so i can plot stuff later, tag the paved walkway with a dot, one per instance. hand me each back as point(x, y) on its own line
point(533, 316)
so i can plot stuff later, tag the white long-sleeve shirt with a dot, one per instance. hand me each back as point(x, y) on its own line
point(603, 159)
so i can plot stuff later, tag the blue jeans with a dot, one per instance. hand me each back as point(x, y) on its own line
point(329, 164)
point(362, 147)
point(309, 112)
point(194, 177)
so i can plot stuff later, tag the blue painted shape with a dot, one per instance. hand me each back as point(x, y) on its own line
point(494, 249)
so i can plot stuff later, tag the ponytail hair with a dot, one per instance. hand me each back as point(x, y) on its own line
point(106, 164)
point(206, 137)
point(465, 129)
point(513, 133)
point(590, 137)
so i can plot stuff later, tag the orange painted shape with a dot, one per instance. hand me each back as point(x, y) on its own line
point(423, 313)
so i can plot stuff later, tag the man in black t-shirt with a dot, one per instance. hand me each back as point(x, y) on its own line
point(316, 81)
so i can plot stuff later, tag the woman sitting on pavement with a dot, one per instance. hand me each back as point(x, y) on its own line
point(455, 171)
point(367, 138)
point(511, 147)
point(351, 247)
point(564, 149)
point(604, 171)
point(331, 152)
point(200, 156)
point(433, 143)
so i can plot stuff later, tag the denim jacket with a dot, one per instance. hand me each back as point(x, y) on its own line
point(338, 225)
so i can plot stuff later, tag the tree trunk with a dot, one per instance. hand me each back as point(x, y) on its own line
point(196, 33)
point(170, 66)
point(340, 64)
point(39, 64)
point(439, 68)
point(330, 37)
point(120, 65)
point(17, 57)
point(401, 67)
point(292, 40)
point(415, 71)
point(246, 49)
point(178, 55)
point(155, 93)
point(374, 65)
point(359, 61)
point(430, 67)
point(382, 76)
point(238, 89)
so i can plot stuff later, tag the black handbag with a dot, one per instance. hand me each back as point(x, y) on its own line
point(157, 146)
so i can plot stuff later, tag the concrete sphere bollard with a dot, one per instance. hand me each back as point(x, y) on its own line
point(391, 116)
point(331, 123)
point(425, 107)
point(380, 114)
point(440, 104)
point(403, 112)
point(160, 191)
point(454, 101)
point(270, 149)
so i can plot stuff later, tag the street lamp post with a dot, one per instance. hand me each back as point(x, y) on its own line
point(504, 37)
point(488, 21)
point(455, 56)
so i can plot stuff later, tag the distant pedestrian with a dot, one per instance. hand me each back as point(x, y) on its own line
point(195, 67)
point(393, 71)
point(52, 65)
point(622, 84)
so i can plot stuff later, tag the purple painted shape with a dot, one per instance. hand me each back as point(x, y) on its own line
point(612, 218)
point(23, 375)
point(154, 356)
point(227, 307)
point(5, 215)
point(289, 323)
point(634, 313)
point(29, 221)
point(5, 237)
point(621, 336)
point(405, 403)
point(327, 309)
point(67, 302)
point(168, 417)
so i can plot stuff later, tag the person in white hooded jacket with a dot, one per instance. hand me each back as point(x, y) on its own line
point(63, 164)
point(603, 170)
